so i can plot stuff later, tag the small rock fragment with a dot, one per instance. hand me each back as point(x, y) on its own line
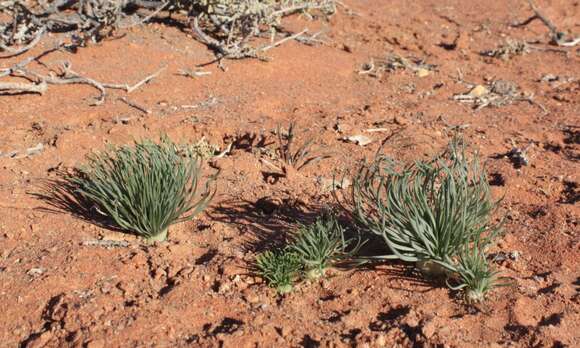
point(35, 150)
point(334, 184)
point(478, 91)
point(422, 72)
point(519, 157)
point(360, 139)
point(400, 121)
point(33, 272)
point(514, 255)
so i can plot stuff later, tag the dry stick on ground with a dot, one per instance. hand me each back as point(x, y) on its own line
point(557, 37)
point(67, 76)
point(135, 105)
point(286, 39)
point(192, 74)
point(17, 87)
point(312, 39)
point(16, 70)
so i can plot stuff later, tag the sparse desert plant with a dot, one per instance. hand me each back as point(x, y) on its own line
point(300, 156)
point(475, 275)
point(321, 244)
point(428, 211)
point(279, 268)
point(144, 188)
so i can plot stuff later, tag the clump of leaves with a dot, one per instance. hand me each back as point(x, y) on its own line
point(475, 274)
point(279, 268)
point(296, 156)
point(321, 244)
point(144, 188)
point(428, 211)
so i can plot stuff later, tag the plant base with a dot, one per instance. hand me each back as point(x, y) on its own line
point(315, 273)
point(432, 270)
point(284, 289)
point(160, 237)
point(474, 296)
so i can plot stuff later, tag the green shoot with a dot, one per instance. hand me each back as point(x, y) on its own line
point(475, 274)
point(321, 244)
point(301, 156)
point(279, 268)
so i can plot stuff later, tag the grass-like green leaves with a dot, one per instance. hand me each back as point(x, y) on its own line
point(313, 249)
point(475, 275)
point(279, 268)
point(297, 156)
point(143, 188)
point(435, 213)
point(427, 211)
point(321, 244)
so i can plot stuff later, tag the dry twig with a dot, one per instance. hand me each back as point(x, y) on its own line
point(64, 75)
point(557, 37)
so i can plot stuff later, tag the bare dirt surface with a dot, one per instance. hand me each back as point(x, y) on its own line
point(59, 290)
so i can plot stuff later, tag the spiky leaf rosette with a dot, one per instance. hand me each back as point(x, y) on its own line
point(475, 275)
point(426, 211)
point(144, 188)
point(320, 244)
point(279, 268)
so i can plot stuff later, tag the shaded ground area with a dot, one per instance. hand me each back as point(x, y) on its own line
point(58, 288)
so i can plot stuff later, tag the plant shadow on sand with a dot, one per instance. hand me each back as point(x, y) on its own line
point(63, 197)
point(268, 223)
point(408, 275)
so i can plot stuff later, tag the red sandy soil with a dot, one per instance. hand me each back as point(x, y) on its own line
point(194, 290)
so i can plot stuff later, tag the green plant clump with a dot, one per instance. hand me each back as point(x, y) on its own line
point(144, 188)
point(321, 244)
point(475, 274)
point(279, 268)
point(429, 212)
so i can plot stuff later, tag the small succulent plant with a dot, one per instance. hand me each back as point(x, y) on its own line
point(475, 275)
point(143, 188)
point(279, 268)
point(321, 244)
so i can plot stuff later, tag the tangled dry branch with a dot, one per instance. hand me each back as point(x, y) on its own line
point(226, 26)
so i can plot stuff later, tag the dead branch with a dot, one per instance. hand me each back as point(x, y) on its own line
point(18, 88)
point(225, 26)
point(66, 76)
point(192, 74)
point(286, 39)
point(12, 52)
point(135, 105)
point(557, 37)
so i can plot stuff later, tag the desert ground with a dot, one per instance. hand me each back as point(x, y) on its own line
point(61, 287)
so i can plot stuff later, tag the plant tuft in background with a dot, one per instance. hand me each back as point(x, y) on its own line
point(296, 156)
